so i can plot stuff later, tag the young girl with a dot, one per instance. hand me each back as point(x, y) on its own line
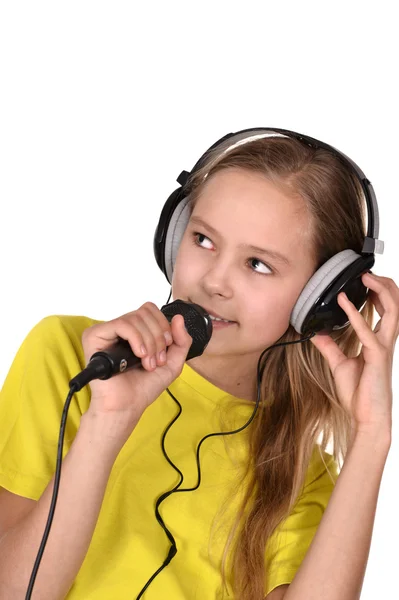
point(263, 220)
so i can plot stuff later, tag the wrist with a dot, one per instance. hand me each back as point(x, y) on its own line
point(378, 439)
point(106, 433)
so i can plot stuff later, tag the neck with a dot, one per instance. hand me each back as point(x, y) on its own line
point(241, 379)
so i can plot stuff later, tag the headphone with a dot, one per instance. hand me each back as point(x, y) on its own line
point(316, 309)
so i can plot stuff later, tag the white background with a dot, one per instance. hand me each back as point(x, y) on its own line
point(104, 103)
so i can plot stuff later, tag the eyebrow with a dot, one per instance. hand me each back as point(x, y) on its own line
point(262, 251)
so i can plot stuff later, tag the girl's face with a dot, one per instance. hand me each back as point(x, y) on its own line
point(218, 267)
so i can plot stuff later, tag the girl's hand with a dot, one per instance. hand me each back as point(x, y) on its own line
point(125, 396)
point(364, 383)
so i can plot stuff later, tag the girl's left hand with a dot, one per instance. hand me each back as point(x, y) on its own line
point(364, 383)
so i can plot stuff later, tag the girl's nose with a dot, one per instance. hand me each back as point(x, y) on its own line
point(217, 280)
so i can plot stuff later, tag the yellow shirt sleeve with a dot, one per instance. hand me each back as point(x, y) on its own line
point(293, 538)
point(32, 401)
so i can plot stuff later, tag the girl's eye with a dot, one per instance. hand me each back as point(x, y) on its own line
point(256, 265)
point(256, 262)
point(199, 239)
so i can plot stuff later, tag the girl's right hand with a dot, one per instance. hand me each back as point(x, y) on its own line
point(128, 394)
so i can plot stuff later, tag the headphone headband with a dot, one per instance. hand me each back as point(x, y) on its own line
point(371, 244)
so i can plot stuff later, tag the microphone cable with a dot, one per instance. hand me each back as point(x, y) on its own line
point(57, 478)
point(173, 549)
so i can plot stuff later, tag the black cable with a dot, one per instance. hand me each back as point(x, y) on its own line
point(173, 549)
point(57, 478)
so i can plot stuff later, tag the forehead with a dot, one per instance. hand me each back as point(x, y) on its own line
point(246, 204)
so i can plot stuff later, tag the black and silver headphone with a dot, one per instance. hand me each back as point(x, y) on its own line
point(316, 308)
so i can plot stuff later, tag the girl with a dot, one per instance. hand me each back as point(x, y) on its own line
point(264, 511)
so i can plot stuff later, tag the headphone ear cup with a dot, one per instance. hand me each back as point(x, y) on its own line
point(171, 211)
point(163, 222)
point(317, 308)
point(174, 234)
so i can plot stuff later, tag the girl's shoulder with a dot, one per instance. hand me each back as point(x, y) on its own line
point(32, 400)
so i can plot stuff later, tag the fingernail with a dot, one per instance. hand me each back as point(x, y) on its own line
point(168, 337)
point(153, 362)
point(143, 350)
point(162, 356)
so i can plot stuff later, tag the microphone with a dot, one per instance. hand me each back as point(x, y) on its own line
point(120, 357)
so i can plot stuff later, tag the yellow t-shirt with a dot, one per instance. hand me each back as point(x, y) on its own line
point(128, 544)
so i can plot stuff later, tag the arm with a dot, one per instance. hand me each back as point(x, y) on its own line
point(84, 476)
point(334, 567)
point(45, 360)
point(335, 564)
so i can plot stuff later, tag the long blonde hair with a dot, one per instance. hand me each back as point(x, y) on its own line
point(299, 405)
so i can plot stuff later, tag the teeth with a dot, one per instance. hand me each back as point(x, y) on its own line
point(219, 319)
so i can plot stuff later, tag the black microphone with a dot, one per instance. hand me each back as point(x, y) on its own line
point(120, 357)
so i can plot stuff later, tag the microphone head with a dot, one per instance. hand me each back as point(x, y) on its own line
point(197, 321)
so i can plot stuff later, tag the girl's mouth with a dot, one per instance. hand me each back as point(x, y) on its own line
point(218, 323)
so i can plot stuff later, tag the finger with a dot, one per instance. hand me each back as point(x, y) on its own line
point(378, 326)
point(103, 336)
point(161, 319)
point(133, 328)
point(155, 342)
point(177, 353)
point(363, 331)
point(145, 336)
point(329, 349)
point(387, 293)
point(181, 336)
point(373, 294)
point(377, 303)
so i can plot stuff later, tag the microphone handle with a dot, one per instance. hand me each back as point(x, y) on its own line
point(119, 360)
point(120, 357)
point(103, 365)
